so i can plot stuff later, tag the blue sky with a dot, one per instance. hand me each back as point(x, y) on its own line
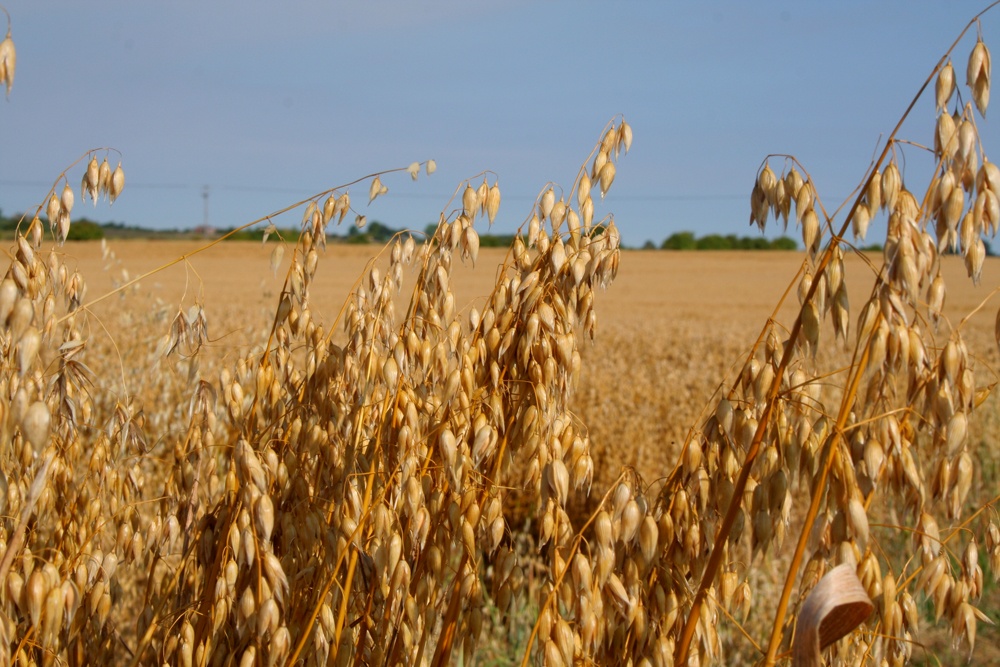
point(267, 103)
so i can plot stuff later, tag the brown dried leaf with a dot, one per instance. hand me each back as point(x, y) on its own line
point(836, 606)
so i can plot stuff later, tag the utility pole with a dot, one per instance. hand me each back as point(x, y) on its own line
point(204, 196)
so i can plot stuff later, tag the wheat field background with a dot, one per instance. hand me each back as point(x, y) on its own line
point(564, 452)
point(672, 328)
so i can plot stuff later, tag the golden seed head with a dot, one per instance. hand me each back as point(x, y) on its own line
point(583, 189)
point(547, 203)
point(53, 209)
point(609, 140)
point(67, 198)
point(945, 136)
point(92, 178)
point(470, 202)
point(606, 177)
point(8, 62)
point(104, 177)
point(264, 517)
point(860, 222)
point(602, 529)
point(979, 63)
point(945, 86)
point(35, 590)
point(625, 136)
point(649, 535)
point(599, 161)
point(630, 521)
point(767, 182)
point(376, 189)
point(558, 213)
point(891, 184)
point(978, 76)
point(35, 425)
point(587, 213)
point(481, 193)
point(493, 202)
point(117, 183)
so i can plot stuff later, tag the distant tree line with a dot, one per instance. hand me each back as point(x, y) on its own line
point(83, 229)
point(688, 241)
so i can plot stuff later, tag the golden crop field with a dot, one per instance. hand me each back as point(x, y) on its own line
point(565, 452)
point(672, 325)
point(672, 328)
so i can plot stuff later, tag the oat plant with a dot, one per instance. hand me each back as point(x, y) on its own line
point(392, 482)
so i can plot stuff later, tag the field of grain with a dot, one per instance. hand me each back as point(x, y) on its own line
point(672, 329)
point(673, 325)
point(564, 452)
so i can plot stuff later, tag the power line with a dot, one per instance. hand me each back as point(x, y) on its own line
point(402, 195)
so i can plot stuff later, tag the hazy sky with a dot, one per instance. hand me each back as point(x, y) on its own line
point(267, 103)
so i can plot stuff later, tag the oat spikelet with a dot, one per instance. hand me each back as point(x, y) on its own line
point(860, 222)
point(606, 177)
point(481, 192)
point(117, 183)
point(8, 62)
point(548, 201)
point(53, 209)
point(343, 206)
point(624, 136)
point(35, 425)
point(891, 184)
point(91, 180)
point(945, 136)
point(978, 75)
point(376, 189)
point(767, 182)
point(945, 85)
point(104, 177)
point(493, 202)
point(470, 202)
point(67, 198)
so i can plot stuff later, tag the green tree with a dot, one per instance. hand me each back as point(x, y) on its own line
point(714, 242)
point(85, 230)
point(680, 241)
point(784, 243)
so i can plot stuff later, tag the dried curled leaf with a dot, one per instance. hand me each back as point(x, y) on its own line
point(836, 606)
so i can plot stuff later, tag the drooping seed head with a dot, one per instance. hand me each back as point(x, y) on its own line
point(8, 62)
point(945, 86)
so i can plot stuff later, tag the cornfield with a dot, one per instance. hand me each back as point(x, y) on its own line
point(421, 476)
